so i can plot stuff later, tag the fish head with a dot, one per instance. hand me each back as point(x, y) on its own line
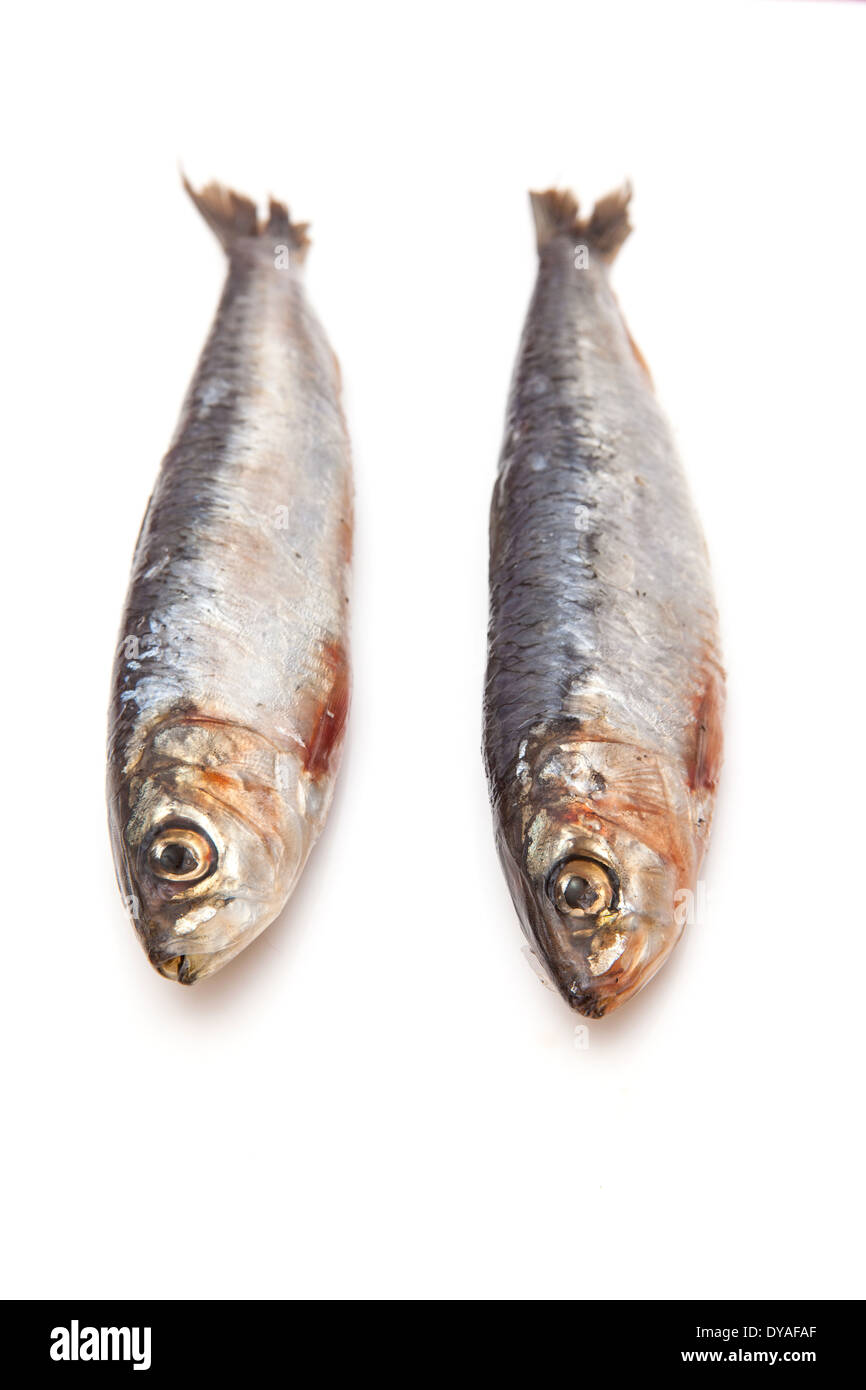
point(600, 862)
point(209, 838)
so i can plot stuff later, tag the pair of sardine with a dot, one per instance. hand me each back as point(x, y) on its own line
point(604, 692)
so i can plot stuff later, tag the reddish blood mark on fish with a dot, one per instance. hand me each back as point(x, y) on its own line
point(708, 740)
point(638, 355)
point(217, 781)
point(346, 522)
point(331, 718)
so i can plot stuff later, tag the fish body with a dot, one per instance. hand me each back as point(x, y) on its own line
point(604, 689)
point(231, 680)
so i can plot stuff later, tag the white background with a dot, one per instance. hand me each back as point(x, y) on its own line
point(379, 1098)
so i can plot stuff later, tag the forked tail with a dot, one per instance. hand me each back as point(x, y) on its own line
point(232, 217)
point(557, 214)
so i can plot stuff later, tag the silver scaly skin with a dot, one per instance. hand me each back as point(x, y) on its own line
point(604, 691)
point(231, 681)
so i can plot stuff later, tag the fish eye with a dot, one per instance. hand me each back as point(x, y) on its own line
point(181, 854)
point(582, 888)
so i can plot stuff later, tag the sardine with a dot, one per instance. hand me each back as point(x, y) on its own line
point(604, 690)
point(231, 681)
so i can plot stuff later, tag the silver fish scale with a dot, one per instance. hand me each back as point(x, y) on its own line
point(231, 682)
point(239, 555)
point(598, 576)
point(602, 703)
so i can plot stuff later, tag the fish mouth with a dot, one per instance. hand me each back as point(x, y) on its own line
point(186, 968)
point(596, 998)
point(179, 968)
point(590, 1004)
point(187, 950)
point(625, 959)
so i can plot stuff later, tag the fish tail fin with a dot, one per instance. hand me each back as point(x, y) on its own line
point(232, 217)
point(557, 214)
